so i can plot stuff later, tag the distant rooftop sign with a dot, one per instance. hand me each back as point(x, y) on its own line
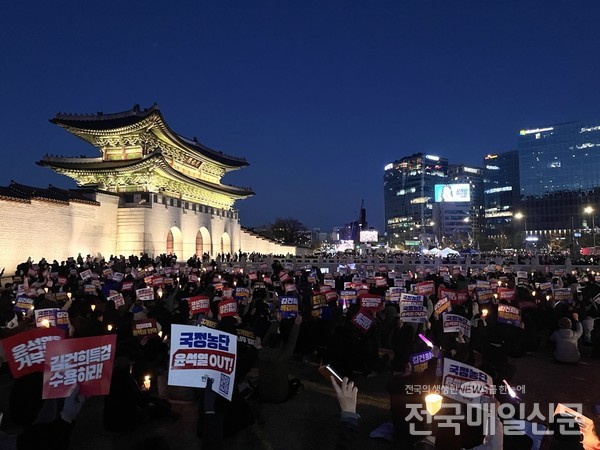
point(432, 157)
point(389, 166)
point(536, 130)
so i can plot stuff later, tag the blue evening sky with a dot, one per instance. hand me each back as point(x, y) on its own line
point(318, 96)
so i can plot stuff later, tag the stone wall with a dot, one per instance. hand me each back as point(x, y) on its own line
point(57, 230)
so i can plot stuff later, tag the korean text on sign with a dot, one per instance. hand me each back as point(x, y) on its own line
point(198, 353)
point(87, 362)
point(25, 351)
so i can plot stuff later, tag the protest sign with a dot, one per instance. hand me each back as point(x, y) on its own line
point(453, 323)
point(90, 289)
point(127, 286)
point(420, 361)
point(201, 353)
point(45, 318)
point(466, 384)
point(62, 319)
point(484, 296)
point(348, 297)
point(23, 304)
point(117, 276)
point(370, 302)
point(87, 362)
point(442, 306)
point(522, 274)
point(288, 307)
point(86, 274)
point(228, 308)
point(199, 304)
point(244, 336)
point(145, 294)
point(380, 282)
point(290, 287)
point(506, 294)
point(483, 284)
point(363, 320)
point(509, 315)
point(458, 297)
point(425, 288)
point(205, 321)
point(562, 295)
point(25, 351)
point(413, 312)
point(144, 328)
point(329, 283)
point(118, 299)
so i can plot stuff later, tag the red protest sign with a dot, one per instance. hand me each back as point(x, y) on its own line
point(87, 362)
point(454, 296)
point(370, 302)
point(363, 320)
point(425, 288)
point(127, 286)
point(506, 294)
point(25, 351)
point(228, 308)
point(200, 304)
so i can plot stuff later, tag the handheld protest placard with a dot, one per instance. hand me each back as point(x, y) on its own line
point(87, 362)
point(26, 351)
point(199, 353)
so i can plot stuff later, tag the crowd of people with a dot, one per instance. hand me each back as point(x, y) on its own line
point(332, 324)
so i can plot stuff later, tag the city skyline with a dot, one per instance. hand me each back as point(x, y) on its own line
point(317, 97)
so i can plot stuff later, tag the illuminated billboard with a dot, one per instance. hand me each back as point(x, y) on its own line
point(452, 193)
point(369, 236)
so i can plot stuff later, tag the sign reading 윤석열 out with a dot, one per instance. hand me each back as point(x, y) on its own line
point(199, 353)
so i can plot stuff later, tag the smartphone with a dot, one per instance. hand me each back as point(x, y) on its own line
point(327, 372)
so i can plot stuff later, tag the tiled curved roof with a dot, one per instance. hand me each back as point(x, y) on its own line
point(24, 193)
point(113, 121)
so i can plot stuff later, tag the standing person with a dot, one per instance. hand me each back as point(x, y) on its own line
point(274, 385)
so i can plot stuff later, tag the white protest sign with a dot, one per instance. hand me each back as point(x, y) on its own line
point(145, 294)
point(466, 384)
point(199, 353)
point(453, 323)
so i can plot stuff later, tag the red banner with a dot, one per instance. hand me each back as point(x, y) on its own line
point(363, 320)
point(200, 304)
point(458, 297)
point(370, 302)
point(228, 308)
point(425, 288)
point(25, 351)
point(87, 362)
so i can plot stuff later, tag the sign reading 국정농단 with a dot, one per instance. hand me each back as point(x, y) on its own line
point(199, 353)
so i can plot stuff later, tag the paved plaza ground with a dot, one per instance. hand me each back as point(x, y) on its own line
point(309, 421)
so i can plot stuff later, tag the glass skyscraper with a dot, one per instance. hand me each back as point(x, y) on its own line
point(559, 168)
point(409, 194)
point(501, 191)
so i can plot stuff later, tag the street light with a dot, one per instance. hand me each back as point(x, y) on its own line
point(590, 210)
point(520, 216)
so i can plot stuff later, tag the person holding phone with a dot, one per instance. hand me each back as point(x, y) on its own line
point(346, 393)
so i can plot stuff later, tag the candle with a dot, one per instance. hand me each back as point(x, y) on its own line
point(93, 307)
point(484, 313)
point(160, 292)
point(45, 323)
point(433, 403)
point(147, 382)
point(69, 295)
point(109, 327)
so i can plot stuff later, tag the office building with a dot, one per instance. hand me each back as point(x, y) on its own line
point(559, 168)
point(409, 186)
point(501, 192)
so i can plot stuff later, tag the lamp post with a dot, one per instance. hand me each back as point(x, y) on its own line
point(520, 216)
point(590, 210)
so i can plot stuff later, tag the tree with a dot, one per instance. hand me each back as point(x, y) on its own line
point(289, 231)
